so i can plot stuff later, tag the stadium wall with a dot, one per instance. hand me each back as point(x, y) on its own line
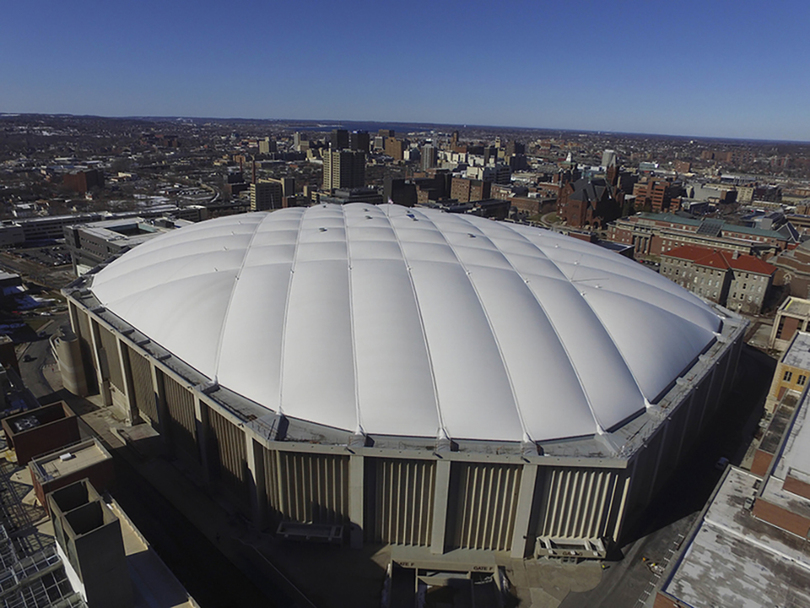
point(526, 504)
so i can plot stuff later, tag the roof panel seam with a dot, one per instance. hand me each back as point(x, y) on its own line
point(286, 315)
point(357, 411)
point(234, 287)
point(418, 308)
point(489, 324)
point(607, 332)
point(557, 333)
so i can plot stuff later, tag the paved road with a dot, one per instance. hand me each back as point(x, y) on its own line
point(39, 357)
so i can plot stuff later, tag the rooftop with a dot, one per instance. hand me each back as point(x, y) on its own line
point(796, 306)
point(71, 459)
point(734, 559)
point(798, 353)
point(721, 259)
point(413, 322)
point(711, 226)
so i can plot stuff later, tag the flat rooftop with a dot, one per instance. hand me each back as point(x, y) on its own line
point(798, 354)
point(795, 455)
point(737, 560)
point(796, 306)
point(81, 456)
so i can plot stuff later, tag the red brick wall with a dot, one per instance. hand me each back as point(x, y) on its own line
point(662, 601)
point(47, 438)
point(762, 460)
point(781, 518)
point(799, 488)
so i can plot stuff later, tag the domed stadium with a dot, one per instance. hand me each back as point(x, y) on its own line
point(427, 380)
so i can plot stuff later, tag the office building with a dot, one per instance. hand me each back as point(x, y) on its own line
point(360, 140)
point(268, 194)
point(430, 155)
point(339, 139)
point(395, 148)
point(344, 169)
point(267, 146)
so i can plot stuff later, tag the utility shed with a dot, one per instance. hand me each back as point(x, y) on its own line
point(41, 430)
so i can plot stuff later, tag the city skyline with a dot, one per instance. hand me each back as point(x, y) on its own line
point(720, 70)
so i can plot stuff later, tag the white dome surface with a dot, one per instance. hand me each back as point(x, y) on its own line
point(410, 322)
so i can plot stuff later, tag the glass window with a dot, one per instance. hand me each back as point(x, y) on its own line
point(801, 380)
point(787, 376)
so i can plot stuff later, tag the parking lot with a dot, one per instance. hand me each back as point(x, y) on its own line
point(46, 255)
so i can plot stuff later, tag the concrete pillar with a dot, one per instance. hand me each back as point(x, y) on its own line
point(661, 445)
point(621, 515)
point(103, 383)
point(731, 371)
point(521, 541)
point(441, 496)
point(706, 405)
point(356, 500)
point(257, 491)
point(683, 413)
point(202, 426)
point(74, 318)
point(132, 414)
point(159, 390)
point(68, 354)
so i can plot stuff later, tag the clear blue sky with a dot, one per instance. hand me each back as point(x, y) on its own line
point(708, 68)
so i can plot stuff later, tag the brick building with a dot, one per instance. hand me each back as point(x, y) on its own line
point(587, 202)
point(739, 282)
point(395, 148)
point(82, 181)
point(794, 269)
point(658, 194)
point(792, 316)
point(465, 190)
point(653, 234)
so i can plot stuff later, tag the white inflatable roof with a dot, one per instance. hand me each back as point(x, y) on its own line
point(414, 322)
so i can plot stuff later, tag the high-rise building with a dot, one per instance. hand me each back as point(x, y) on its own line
point(359, 140)
point(429, 156)
point(300, 140)
point(340, 139)
point(515, 147)
point(269, 194)
point(609, 158)
point(267, 146)
point(395, 148)
point(344, 169)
